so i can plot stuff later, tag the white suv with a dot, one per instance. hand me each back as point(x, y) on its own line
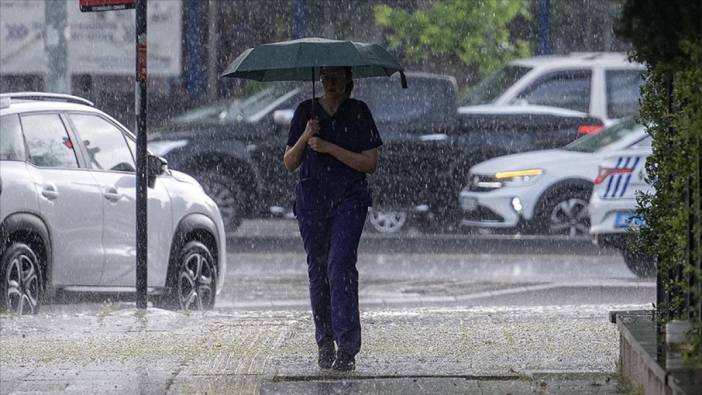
point(602, 84)
point(67, 211)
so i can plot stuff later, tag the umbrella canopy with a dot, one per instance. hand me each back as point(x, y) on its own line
point(301, 60)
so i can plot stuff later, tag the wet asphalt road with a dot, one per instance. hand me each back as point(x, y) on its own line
point(440, 314)
point(449, 270)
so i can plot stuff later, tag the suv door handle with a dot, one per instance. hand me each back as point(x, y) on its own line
point(49, 191)
point(111, 194)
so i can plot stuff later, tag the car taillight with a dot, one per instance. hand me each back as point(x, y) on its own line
point(590, 128)
point(605, 172)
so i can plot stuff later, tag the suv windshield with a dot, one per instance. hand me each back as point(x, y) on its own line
point(234, 110)
point(493, 86)
point(597, 142)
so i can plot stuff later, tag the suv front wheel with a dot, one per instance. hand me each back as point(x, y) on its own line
point(20, 275)
point(193, 285)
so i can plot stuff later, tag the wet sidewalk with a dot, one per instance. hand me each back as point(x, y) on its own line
point(118, 349)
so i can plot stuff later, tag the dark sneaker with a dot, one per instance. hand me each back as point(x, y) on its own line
point(344, 362)
point(326, 356)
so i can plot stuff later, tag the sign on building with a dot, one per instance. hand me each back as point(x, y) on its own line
point(106, 5)
point(100, 43)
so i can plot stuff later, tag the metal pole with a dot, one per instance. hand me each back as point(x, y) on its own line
point(195, 76)
point(690, 255)
point(298, 22)
point(663, 276)
point(212, 53)
point(58, 77)
point(673, 272)
point(699, 229)
point(141, 187)
point(543, 27)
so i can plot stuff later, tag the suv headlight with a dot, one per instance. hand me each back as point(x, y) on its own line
point(163, 147)
point(518, 177)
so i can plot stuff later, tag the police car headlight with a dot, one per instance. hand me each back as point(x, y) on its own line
point(518, 177)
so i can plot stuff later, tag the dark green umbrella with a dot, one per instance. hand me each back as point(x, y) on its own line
point(301, 60)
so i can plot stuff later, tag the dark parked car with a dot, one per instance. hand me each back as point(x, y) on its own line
point(235, 148)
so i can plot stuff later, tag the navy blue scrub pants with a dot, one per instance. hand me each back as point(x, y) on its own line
point(331, 243)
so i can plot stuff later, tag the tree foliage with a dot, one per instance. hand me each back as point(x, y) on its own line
point(477, 32)
point(658, 30)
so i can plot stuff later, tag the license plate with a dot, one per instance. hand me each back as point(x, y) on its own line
point(469, 203)
point(624, 220)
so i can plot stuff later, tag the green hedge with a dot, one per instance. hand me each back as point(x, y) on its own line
point(668, 37)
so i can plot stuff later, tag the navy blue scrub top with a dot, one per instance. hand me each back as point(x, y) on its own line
point(326, 184)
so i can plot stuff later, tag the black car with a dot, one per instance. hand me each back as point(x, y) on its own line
point(235, 148)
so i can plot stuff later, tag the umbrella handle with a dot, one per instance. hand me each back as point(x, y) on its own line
point(312, 114)
point(403, 80)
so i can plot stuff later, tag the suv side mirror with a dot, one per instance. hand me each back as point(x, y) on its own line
point(155, 166)
point(283, 118)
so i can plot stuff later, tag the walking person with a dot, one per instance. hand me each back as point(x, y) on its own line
point(334, 141)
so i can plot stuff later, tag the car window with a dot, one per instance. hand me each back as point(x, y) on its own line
point(389, 103)
point(623, 88)
point(567, 89)
point(104, 143)
point(11, 142)
point(234, 109)
point(598, 141)
point(492, 87)
point(48, 142)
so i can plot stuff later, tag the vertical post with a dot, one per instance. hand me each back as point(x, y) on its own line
point(664, 310)
point(141, 187)
point(58, 77)
point(676, 272)
point(195, 77)
point(298, 22)
point(699, 230)
point(212, 46)
point(690, 255)
point(543, 27)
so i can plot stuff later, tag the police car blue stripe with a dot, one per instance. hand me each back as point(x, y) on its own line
point(616, 192)
point(609, 183)
point(628, 177)
point(616, 185)
point(618, 177)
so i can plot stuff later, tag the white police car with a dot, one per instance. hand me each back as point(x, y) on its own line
point(542, 191)
point(67, 211)
point(621, 177)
